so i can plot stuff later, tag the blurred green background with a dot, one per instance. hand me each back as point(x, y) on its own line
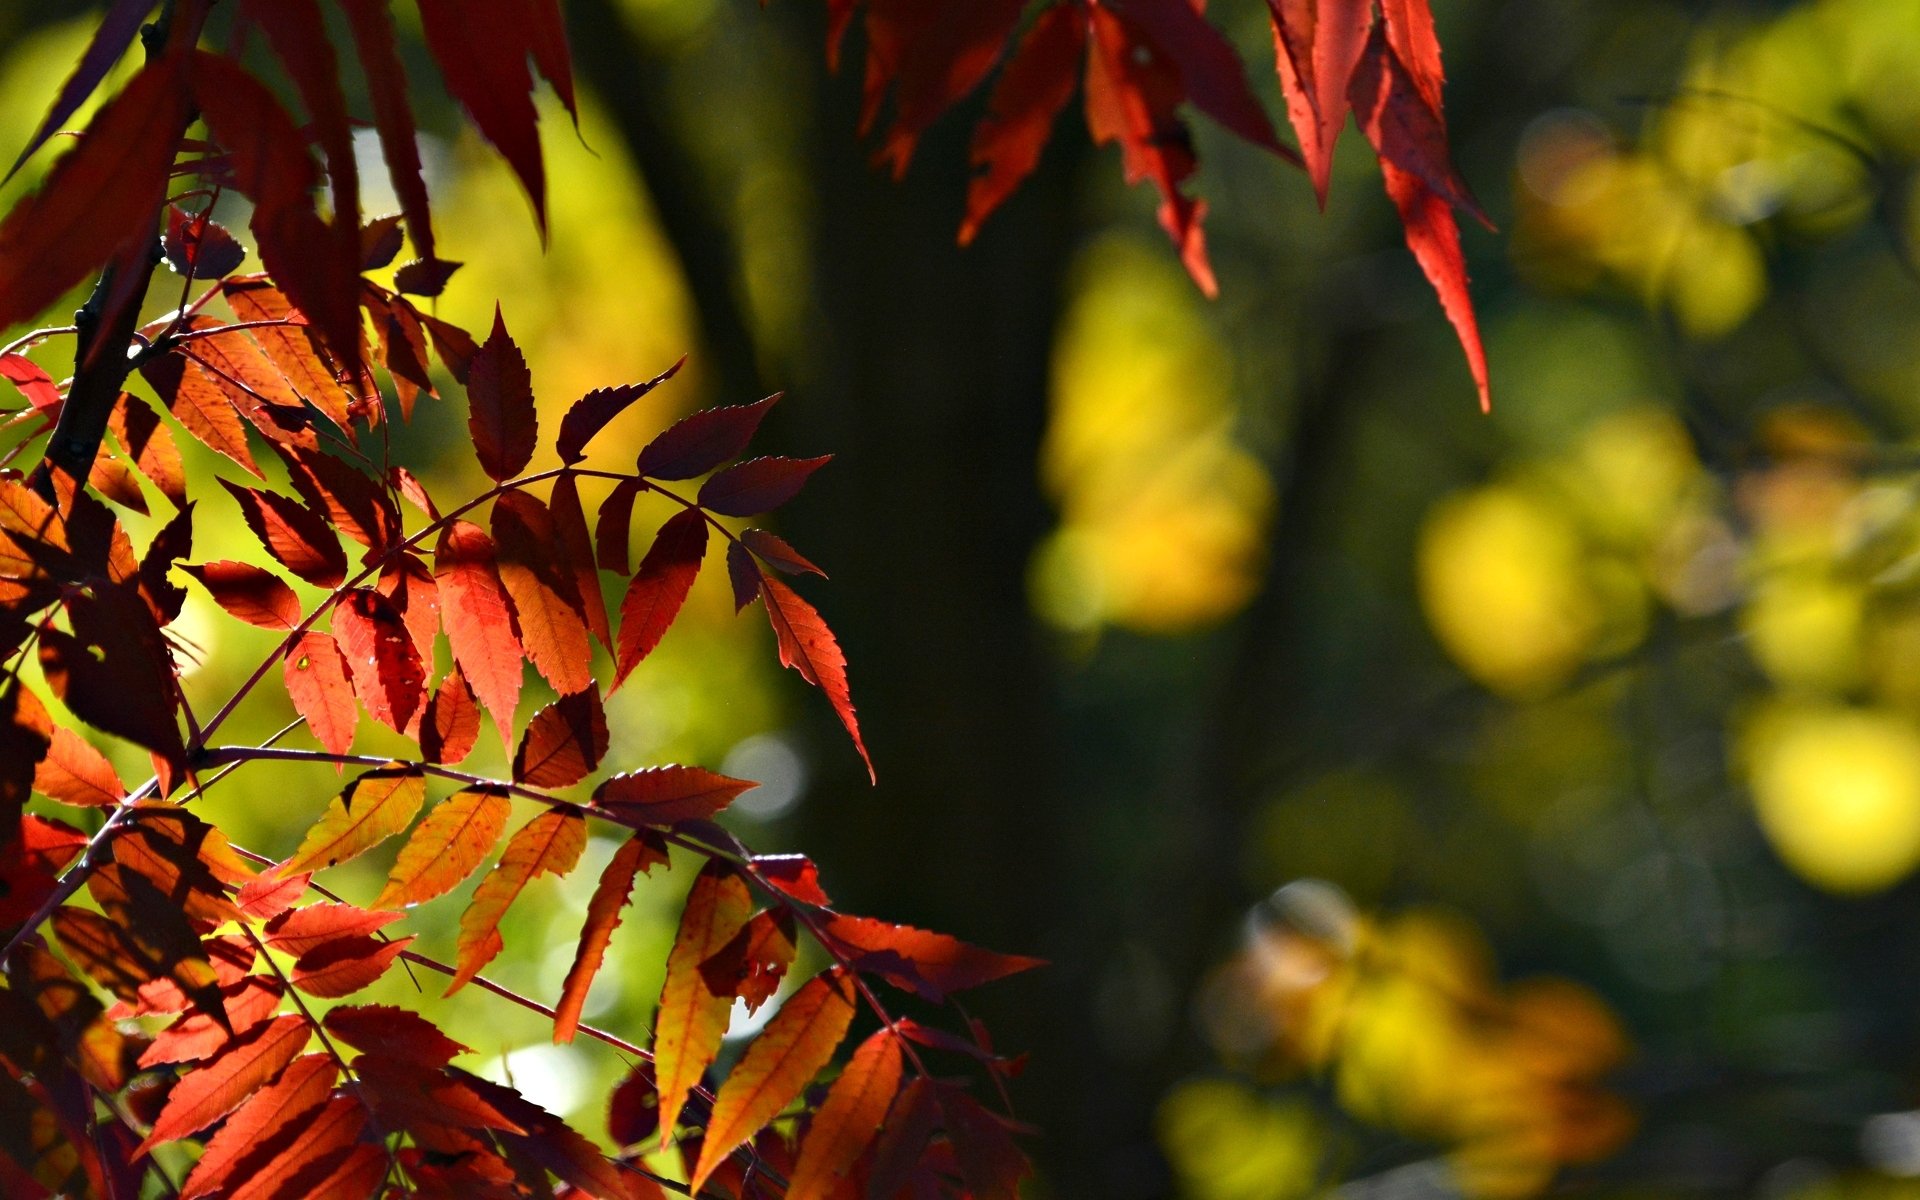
point(1412, 803)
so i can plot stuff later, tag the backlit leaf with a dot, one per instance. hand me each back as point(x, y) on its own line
point(773, 550)
point(659, 588)
point(550, 844)
point(691, 1019)
point(777, 1065)
point(932, 965)
point(388, 675)
point(371, 809)
point(809, 647)
point(487, 73)
point(372, 30)
point(641, 852)
point(501, 418)
point(73, 772)
point(564, 742)
point(253, 594)
point(302, 930)
point(614, 526)
point(751, 966)
point(451, 723)
point(395, 1033)
point(855, 1109)
point(345, 966)
point(479, 620)
point(150, 445)
point(453, 840)
point(552, 625)
point(303, 1087)
point(316, 679)
point(297, 537)
point(758, 485)
point(110, 41)
point(1035, 85)
point(664, 795)
point(701, 442)
point(246, 1065)
point(591, 412)
point(574, 547)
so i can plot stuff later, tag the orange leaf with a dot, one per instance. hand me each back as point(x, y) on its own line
point(253, 594)
point(344, 966)
point(197, 1036)
point(287, 1164)
point(479, 620)
point(691, 1020)
point(223, 1084)
point(316, 680)
point(663, 795)
point(574, 546)
point(808, 646)
point(550, 844)
point(296, 353)
point(659, 588)
point(639, 853)
point(795, 1045)
point(855, 1109)
point(451, 722)
point(150, 445)
point(454, 839)
point(294, 534)
point(553, 627)
point(302, 930)
point(928, 964)
point(263, 1121)
point(389, 1032)
point(73, 772)
point(388, 674)
point(373, 807)
point(1031, 91)
point(564, 742)
point(501, 417)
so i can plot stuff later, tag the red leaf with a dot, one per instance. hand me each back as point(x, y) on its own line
point(34, 383)
point(294, 350)
point(451, 723)
point(563, 743)
point(294, 534)
point(553, 628)
point(199, 247)
point(808, 646)
point(267, 896)
point(1132, 90)
point(751, 965)
point(664, 795)
point(387, 672)
point(262, 1122)
point(114, 670)
point(574, 545)
point(847, 1123)
point(794, 874)
point(197, 1036)
point(196, 400)
point(99, 196)
point(253, 594)
point(1403, 126)
point(316, 680)
point(300, 931)
point(641, 852)
point(479, 620)
point(929, 964)
point(691, 1019)
point(30, 863)
point(1410, 32)
point(933, 53)
point(487, 73)
point(759, 484)
point(1031, 91)
point(795, 1045)
point(455, 838)
point(402, 348)
point(269, 163)
point(701, 442)
point(357, 505)
point(550, 844)
point(110, 41)
point(150, 445)
point(1435, 241)
point(343, 967)
point(408, 586)
point(611, 534)
point(989, 1161)
point(372, 808)
point(372, 30)
point(73, 772)
point(1207, 67)
point(743, 575)
point(1317, 44)
point(325, 1159)
point(591, 412)
point(501, 417)
point(395, 1033)
point(226, 1082)
point(659, 588)
point(774, 551)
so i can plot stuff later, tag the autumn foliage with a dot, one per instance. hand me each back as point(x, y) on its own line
point(175, 1002)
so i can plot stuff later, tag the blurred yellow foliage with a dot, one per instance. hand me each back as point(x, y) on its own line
point(1163, 515)
point(1406, 1019)
point(1838, 793)
point(1229, 1143)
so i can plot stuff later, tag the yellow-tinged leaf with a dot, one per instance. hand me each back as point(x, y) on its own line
point(549, 844)
point(691, 1020)
point(855, 1108)
point(641, 852)
point(799, 1041)
point(373, 808)
point(453, 840)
